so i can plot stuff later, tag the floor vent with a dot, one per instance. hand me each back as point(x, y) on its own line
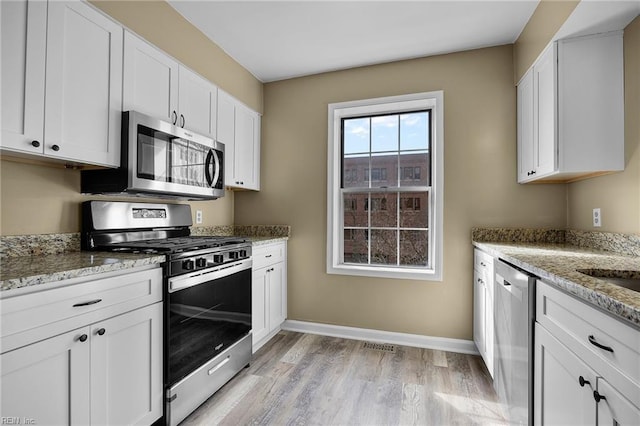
point(380, 347)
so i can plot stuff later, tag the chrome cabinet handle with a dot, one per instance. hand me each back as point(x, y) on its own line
point(101, 332)
point(482, 264)
point(174, 118)
point(35, 144)
point(55, 147)
point(83, 338)
point(593, 341)
point(90, 302)
point(182, 119)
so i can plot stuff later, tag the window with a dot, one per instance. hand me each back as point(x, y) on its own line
point(387, 220)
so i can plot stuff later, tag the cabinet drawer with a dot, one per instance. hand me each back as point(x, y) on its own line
point(608, 345)
point(268, 255)
point(483, 263)
point(62, 308)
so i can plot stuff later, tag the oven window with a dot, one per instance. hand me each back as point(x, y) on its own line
point(206, 319)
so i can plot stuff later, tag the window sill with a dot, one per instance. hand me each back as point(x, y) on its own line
point(405, 273)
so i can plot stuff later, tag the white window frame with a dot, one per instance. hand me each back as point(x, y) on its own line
point(433, 101)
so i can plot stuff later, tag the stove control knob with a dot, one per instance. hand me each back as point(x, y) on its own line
point(218, 258)
point(188, 265)
point(201, 262)
point(234, 254)
point(243, 253)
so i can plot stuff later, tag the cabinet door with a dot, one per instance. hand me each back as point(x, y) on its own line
point(24, 34)
point(277, 296)
point(259, 304)
point(615, 409)
point(246, 161)
point(559, 398)
point(225, 133)
point(150, 82)
point(544, 74)
point(197, 103)
point(525, 127)
point(126, 368)
point(83, 99)
point(48, 381)
point(479, 314)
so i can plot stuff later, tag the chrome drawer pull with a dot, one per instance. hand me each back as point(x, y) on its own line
point(592, 340)
point(90, 302)
point(219, 366)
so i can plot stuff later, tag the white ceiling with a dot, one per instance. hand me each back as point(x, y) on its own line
point(276, 40)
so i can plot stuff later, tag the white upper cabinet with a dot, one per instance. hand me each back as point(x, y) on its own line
point(571, 110)
point(197, 103)
point(150, 83)
point(23, 61)
point(157, 85)
point(62, 82)
point(239, 130)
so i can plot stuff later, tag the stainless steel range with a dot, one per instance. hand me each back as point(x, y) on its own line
point(207, 297)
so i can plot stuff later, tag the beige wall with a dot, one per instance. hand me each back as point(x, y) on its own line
point(480, 187)
point(542, 26)
point(160, 24)
point(36, 199)
point(617, 195)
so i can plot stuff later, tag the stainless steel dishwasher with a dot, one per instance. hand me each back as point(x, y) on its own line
point(514, 318)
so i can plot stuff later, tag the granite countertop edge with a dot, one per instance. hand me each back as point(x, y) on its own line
point(32, 271)
point(622, 303)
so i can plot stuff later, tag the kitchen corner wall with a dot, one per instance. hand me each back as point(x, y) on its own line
point(480, 188)
point(43, 199)
point(618, 194)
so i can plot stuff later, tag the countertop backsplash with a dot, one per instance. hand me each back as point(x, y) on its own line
point(625, 244)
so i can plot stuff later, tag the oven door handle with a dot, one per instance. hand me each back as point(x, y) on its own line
point(206, 275)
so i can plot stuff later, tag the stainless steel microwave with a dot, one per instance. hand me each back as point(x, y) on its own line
point(161, 160)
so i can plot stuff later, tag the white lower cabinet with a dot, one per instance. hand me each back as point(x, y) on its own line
point(560, 397)
point(105, 370)
point(587, 364)
point(483, 289)
point(269, 292)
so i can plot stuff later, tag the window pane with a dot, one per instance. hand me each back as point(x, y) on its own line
point(414, 248)
point(414, 131)
point(415, 169)
point(384, 133)
point(384, 210)
point(384, 170)
point(355, 171)
point(355, 246)
point(355, 135)
point(355, 213)
point(384, 246)
point(414, 210)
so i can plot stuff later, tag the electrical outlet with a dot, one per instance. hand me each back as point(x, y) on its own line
point(198, 216)
point(597, 218)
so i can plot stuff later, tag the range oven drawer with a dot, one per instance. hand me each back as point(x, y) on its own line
point(188, 394)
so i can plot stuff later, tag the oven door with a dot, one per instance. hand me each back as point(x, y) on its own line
point(207, 312)
point(170, 160)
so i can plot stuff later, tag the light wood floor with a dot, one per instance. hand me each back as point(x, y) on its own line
point(305, 379)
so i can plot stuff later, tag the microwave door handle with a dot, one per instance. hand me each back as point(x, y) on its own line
point(207, 163)
point(217, 167)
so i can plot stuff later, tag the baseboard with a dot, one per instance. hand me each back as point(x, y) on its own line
point(405, 339)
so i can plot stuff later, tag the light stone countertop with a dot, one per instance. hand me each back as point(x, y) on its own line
point(557, 264)
point(261, 241)
point(24, 271)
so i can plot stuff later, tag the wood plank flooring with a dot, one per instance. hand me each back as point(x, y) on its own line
point(304, 379)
